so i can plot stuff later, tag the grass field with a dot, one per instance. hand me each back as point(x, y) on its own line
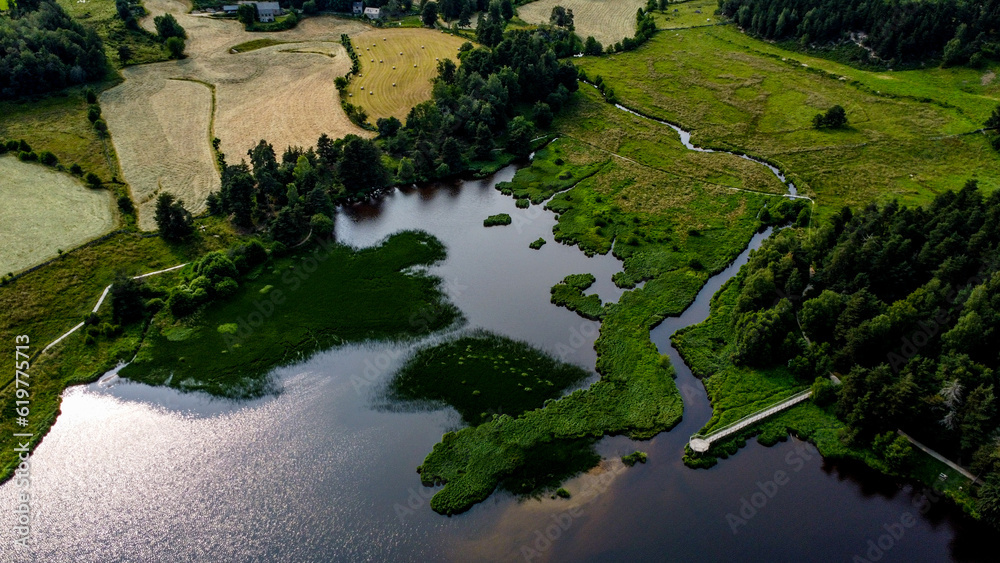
point(687, 14)
point(609, 21)
point(46, 211)
point(102, 16)
point(58, 123)
point(382, 66)
point(907, 131)
point(163, 117)
point(255, 44)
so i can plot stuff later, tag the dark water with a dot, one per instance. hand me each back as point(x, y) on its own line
point(322, 473)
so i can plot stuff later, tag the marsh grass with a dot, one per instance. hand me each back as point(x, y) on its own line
point(322, 297)
point(498, 220)
point(569, 293)
point(483, 375)
point(906, 136)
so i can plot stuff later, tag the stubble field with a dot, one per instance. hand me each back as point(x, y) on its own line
point(609, 21)
point(392, 82)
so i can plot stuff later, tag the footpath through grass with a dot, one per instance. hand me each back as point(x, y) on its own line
point(45, 303)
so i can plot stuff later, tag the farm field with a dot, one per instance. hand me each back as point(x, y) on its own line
point(164, 116)
point(46, 211)
point(167, 149)
point(740, 94)
point(608, 21)
point(59, 124)
point(382, 66)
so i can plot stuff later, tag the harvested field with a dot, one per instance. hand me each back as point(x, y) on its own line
point(288, 97)
point(420, 47)
point(160, 128)
point(609, 21)
point(163, 117)
point(45, 211)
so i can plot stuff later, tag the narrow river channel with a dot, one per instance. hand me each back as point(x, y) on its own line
point(325, 470)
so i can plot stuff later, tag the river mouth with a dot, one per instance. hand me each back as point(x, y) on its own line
point(320, 472)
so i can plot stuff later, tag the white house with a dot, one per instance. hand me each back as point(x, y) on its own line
point(359, 8)
point(373, 13)
point(266, 11)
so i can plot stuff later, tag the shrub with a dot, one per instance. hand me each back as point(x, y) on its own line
point(562, 493)
point(154, 305)
point(47, 158)
point(321, 225)
point(76, 170)
point(226, 287)
point(834, 118)
point(497, 220)
point(216, 266)
point(101, 127)
point(27, 156)
point(634, 458)
point(90, 95)
point(93, 180)
point(125, 205)
point(182, 303)
point(93, 113)
point(538, 243)
point(175, 46)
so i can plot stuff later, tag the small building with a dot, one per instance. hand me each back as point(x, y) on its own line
point(266, 11)
point(373, 13)
point(359, 8)
point(230, 10)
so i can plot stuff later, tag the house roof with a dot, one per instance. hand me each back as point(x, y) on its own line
point(268, 6)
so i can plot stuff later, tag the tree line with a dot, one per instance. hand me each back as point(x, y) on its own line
point(896, 31)
point(494, 102)
point(904, 303)
point(43, 49)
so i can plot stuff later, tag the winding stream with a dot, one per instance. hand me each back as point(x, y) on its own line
point(324, 471)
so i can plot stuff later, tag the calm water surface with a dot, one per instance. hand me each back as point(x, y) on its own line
point(325, 472)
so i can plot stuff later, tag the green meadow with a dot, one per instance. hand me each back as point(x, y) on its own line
point(910, 135)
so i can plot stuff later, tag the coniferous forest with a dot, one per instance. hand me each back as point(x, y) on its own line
point(903, 303)
point(895, 31)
